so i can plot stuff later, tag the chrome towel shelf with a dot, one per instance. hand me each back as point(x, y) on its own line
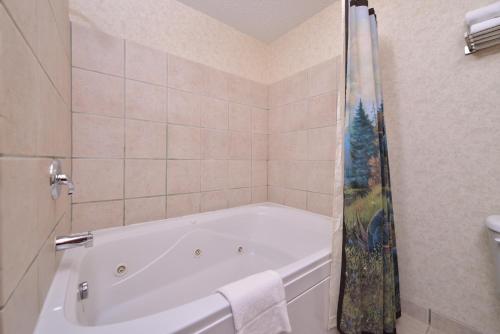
point(482, 40)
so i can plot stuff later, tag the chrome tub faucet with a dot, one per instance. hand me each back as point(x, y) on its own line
point(74, 240)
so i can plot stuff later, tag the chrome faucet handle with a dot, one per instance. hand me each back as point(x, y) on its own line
point(63, 179)
point(57, 178)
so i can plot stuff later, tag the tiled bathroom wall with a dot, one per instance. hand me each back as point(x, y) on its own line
point(302, 121)
point(35, 127)
point(157, 136)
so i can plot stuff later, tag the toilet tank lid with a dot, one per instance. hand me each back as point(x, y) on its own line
point(493, 223)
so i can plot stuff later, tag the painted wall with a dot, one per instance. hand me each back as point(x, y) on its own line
point(315, 41)
point(157, 136)
point(172, 27)
point(443, 124)
point(35, 126)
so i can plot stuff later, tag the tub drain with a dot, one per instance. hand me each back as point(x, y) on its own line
point(197, 252)
point(240, 249)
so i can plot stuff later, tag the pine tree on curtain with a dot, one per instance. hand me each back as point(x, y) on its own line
point(369, 284)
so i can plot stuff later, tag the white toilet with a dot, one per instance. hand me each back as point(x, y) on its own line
point(493, 223)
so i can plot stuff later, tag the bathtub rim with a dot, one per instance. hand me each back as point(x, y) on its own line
point(298, 277)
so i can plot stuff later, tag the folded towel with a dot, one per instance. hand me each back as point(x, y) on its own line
point(483, 14)
point(258, 304)
point(481, 26)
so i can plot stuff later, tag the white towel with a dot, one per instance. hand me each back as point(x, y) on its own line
point(478, 27)
point(258, 304)
point(483, 14)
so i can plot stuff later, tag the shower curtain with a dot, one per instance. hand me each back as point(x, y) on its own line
point(367, 289)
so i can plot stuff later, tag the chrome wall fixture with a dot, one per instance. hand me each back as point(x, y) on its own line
point(483, 28)
point(74, 240)
point(57, 179)
point(482, 40)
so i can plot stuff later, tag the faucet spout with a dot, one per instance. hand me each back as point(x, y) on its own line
point(74, 240)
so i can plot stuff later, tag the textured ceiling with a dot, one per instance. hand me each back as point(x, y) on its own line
point(265, 20)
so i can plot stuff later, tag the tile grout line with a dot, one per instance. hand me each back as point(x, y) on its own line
point(166, 133)
point(124, 111)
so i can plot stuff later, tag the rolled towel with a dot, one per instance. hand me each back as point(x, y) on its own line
point(258, 304)
point(483, 14)
point(481, 26)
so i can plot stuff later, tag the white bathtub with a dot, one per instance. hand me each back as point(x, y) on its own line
point(168, 288)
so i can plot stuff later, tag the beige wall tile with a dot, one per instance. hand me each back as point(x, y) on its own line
point(323, 78)
point(277, 172)
point(322, 110)
point(240, 146)
point(320, 203)
point(214, 174)
point(240, 117)
point(25, 14)
point(259, 194)
point(51, 52)
point(94, 50)
point(277, 121)
point(260, 120)
point(183, 176)
point(296, 116)
point(46, 265)
point(217, 84)
point(49, 211)
point(277, 147)
point(276, 194)
point(53, 114)
point(296, 87)
point(260, 146)
point(97, 180)
point(322, 143)
point(239, 173)
point(184, 108)
point(186, 75)
point(61, 14)
point(213, 200)
point(19, 89)
point(259, 173)
point(277, 94)
point(296, 174)
point(239, 90)
point(295, 198)
point(19, 240)
point(296, 145)
point(141, 210)
point(145, 64)
point(259, 94)
point(181, 205)
point(97, 93)
point(97, 215)
point(145, 177)
point(321, 177)
point(184, 142)
point(215, 144)
point(97, 136)
point(21, 313)
point(238, 197)
point(144, 139)
point(145, 101)
point(214, 113)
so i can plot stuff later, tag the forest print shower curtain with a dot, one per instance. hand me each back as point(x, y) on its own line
point(369, 286)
